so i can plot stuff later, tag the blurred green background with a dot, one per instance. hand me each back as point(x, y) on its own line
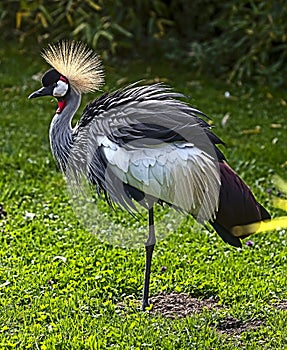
point(236, 40)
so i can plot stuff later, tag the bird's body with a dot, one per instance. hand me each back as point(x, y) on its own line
point(151, 159)
point(143, 144)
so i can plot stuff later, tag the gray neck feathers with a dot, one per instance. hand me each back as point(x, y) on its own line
point(61, 132)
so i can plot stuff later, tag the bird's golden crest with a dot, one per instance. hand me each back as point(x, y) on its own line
point(77, 62)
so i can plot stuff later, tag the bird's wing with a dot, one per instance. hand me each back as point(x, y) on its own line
point(179, 174)
point(143, 141)
point(140, 116)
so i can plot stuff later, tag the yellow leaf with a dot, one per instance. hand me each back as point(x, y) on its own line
point(42, 19)
point(225, 119)
point(280, 203)
point(280, 183)
point(94, 5)
point(69, 19)
point(275, 126)
point(256, 130)
point(18, 20)
point(269, 95)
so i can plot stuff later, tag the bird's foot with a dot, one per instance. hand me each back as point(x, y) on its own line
point(146, 306)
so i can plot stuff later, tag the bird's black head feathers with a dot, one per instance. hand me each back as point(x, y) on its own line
point(50, 77)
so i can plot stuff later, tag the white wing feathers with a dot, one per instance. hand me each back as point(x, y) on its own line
point(177, 173)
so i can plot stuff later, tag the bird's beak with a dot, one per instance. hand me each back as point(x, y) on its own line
point(44, 91)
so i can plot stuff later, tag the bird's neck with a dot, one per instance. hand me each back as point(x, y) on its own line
point(61, 132)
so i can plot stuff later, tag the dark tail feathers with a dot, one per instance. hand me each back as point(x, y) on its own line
point(237, 207)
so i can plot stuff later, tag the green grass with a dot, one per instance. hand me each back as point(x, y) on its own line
point(70, 302)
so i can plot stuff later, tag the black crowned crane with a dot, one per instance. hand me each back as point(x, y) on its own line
point(143, 144)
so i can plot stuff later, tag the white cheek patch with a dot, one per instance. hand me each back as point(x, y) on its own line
point(60, 89)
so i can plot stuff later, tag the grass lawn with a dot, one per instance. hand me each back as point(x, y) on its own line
point(62, 288)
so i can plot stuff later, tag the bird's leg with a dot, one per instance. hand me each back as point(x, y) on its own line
point(149, 246)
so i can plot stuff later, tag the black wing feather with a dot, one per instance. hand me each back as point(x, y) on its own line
point(134, 116)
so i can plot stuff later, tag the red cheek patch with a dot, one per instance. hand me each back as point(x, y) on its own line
point(61, 106)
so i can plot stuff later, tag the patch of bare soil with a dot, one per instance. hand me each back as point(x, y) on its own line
point(281, 305)
point(178, 305)
point(233, 326)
